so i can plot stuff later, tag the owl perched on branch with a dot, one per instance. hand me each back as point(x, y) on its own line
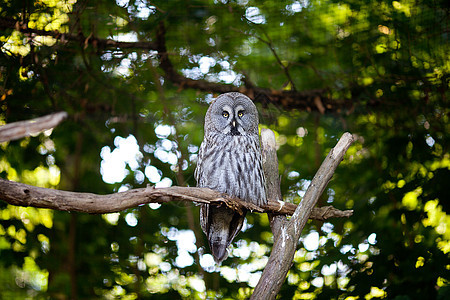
point(229, 161)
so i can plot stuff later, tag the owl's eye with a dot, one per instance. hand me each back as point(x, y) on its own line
point(225, 114)
point(240, 114)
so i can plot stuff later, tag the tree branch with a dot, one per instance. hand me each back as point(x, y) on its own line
point(18, 130)
point(285, 244)
point(288, 99)
point(9, 23)
point(20, 194)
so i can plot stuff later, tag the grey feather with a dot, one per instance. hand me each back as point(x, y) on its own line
point(229, 161)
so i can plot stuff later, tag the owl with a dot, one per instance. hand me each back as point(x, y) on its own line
point(229, 161)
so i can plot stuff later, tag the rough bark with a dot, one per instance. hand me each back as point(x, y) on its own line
point(285, 244)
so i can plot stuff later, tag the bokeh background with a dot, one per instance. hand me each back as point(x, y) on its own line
point(378, 69)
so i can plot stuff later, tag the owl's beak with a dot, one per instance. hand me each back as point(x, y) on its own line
point(234, 130)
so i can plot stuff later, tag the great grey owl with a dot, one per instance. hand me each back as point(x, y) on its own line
point(229, 161)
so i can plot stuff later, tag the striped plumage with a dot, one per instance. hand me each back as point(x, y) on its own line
point(229, 161)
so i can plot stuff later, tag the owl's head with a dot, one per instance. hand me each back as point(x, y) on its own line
point(232, 114)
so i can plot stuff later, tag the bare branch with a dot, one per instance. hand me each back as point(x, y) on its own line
point(18, 130)
point(285, 244)
point(20, 194)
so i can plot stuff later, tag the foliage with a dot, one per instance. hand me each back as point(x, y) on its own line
point(130, 127)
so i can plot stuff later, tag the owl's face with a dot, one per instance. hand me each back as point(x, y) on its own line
point(232, 114)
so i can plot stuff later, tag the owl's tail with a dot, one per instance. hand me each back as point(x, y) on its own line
point(218, 244)
point(223, 225)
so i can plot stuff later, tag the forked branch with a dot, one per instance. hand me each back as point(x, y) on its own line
point(285, 243)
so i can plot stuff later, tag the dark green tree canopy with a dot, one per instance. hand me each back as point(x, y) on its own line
point(136, 77)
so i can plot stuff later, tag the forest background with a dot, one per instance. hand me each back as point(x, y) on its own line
point(136, 77)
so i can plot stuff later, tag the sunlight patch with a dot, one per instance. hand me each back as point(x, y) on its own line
point(113, 165)
point(131, 219)
point(311, 241)
point(253, 14)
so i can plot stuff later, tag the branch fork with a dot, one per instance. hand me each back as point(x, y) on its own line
point(287, 232)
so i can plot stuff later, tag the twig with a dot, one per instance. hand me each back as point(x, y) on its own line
point(18, 130)
point(269, 44)
point(275, 54)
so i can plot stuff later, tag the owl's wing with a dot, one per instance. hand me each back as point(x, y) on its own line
point(204, 218)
